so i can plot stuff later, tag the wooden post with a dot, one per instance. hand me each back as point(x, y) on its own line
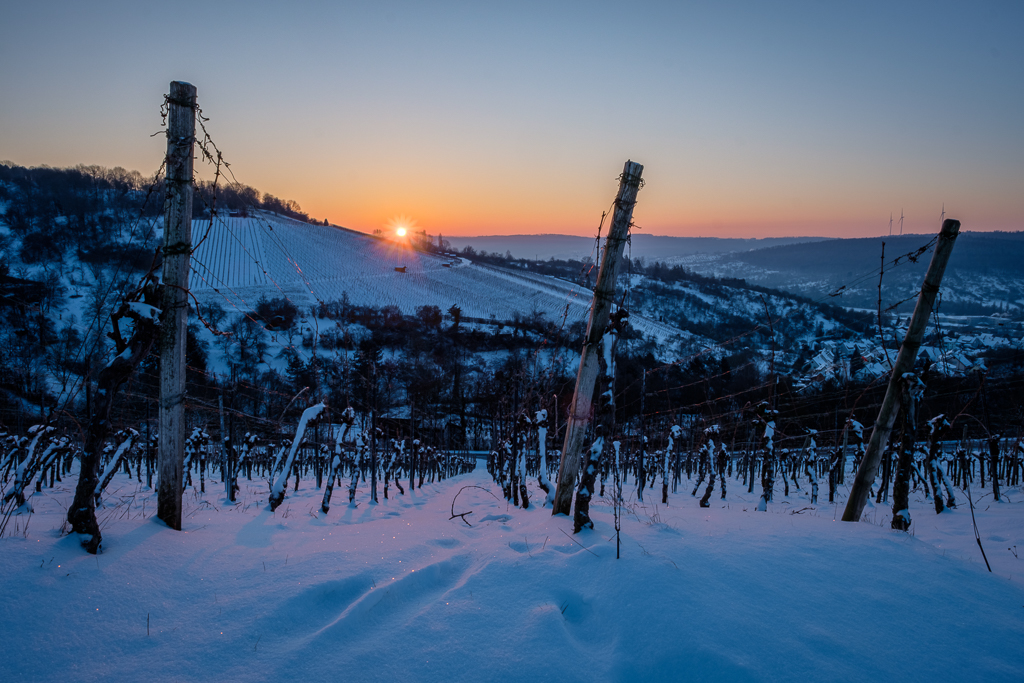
point(227, 466)
point(904, 363)
point(181, 108)
point(600, 311)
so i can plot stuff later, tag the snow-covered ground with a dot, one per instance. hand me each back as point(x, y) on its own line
point(399, 590)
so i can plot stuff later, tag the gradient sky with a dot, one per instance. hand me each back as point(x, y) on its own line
point(751, 119)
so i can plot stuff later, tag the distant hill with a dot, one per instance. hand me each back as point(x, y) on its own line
point(985, 272)
point(543, 247)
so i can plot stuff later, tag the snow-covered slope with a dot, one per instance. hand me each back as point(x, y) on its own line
point(243, 258)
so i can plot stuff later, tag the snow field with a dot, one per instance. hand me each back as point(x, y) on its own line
point(398, 589)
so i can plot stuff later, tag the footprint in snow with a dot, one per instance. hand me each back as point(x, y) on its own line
point(496, 518)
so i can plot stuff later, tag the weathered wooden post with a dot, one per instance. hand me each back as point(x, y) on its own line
point(904, 363)
point(227, 466)
point(600, 311)
point(181, 109)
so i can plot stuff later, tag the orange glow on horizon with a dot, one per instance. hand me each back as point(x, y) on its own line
point(495, 205)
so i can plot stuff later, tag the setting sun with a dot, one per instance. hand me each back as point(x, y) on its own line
point(401, 226)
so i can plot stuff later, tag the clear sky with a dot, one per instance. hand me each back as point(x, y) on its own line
point(751, 119)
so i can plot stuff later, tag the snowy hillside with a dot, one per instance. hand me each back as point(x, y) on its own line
point(238, 260)
point(243, 258)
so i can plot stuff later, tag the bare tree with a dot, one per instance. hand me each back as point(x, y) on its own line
point(140, 308)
